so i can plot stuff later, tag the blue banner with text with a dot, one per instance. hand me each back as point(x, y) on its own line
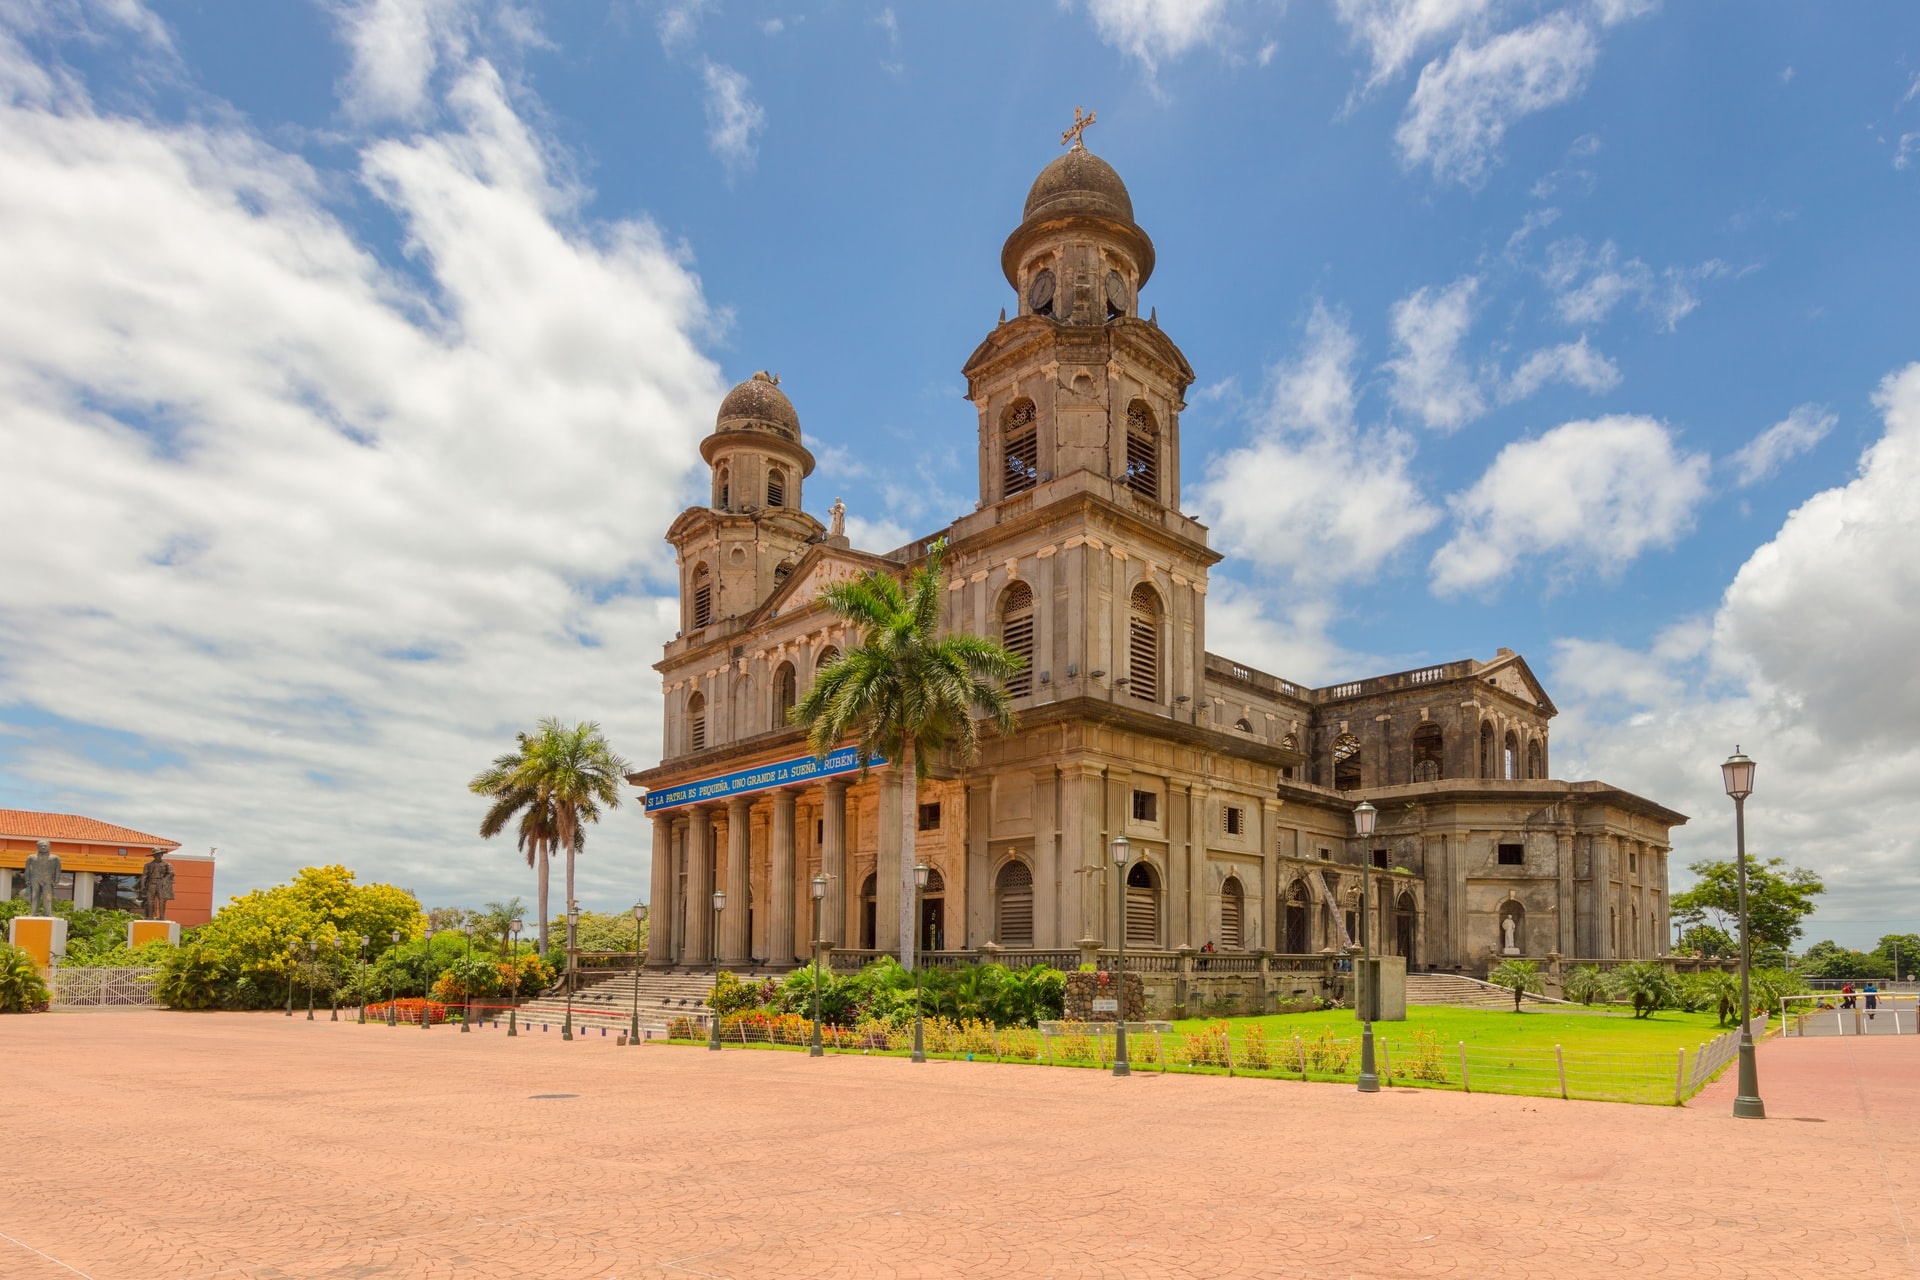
point(780, 773)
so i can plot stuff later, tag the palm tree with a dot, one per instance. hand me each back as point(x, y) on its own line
point(1647, 986)
point(906, 692)
point(572, 771)
point(1586, 984)
point(1519, 976)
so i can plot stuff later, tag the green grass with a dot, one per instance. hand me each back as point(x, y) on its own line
point(1596, 1032)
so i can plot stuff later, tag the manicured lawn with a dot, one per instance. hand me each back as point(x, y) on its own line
point(1596, 1032)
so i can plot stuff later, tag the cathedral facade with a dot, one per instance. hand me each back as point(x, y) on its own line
point(1235, 788)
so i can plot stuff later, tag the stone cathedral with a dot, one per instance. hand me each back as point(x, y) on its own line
point(1235, 788)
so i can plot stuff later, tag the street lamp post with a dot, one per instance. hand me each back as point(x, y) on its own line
point(1121, 1067)
point(1365, 985)
point(393, 986)
point(573, 925)
point(426, 994)
point(633, 1028)
point(819, 895)
point(364, 940)
point(466, 981)
point(513, 977)
point(921, 873)
point(1737, 772)
point(713, 1017)
point(313, 958)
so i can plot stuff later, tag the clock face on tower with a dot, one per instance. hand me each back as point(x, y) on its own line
point(1040, 294)
point(1116, 294)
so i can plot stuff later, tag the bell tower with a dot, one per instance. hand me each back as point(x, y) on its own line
point(1077, 381)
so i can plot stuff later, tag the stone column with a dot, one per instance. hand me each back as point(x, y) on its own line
point(886, 865)
point(1564, 901)
point(780, 882)
point(1113, 821)
point(1080, 805)
point(660, 904)
point(1604, 906)
point(698, 947)
point(1197, 867)
point(734, 939)
point(978, 925)
point(833, 861)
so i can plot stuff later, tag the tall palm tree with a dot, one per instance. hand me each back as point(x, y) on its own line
point(514, 795)
point(572, 770)
point(906, 692)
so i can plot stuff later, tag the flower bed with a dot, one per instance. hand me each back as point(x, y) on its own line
point(407, 1010)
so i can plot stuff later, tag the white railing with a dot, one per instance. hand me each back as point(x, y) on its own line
point(99, 988)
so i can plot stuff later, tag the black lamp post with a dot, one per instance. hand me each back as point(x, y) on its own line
point(713, 1020)
point(293, 971)
point(426, 995)
point(819, 895)
point(393, 985)
point(1121, 1067)
point(466, 982)
point(921, 873)
point(1365, 985)
point(513, 977)
point(364, 940)
point(633, 1028)
point(1737, 772)
point(313, 958)
point(573, 924)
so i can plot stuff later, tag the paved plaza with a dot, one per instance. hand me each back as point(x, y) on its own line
point(161, 1146)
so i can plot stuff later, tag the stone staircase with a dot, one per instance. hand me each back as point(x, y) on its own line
point(1461, 991)
point(663, 995)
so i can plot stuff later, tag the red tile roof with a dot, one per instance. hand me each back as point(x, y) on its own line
point(24, 824)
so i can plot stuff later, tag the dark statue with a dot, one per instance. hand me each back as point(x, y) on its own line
point(156, 887)
point(43, 873)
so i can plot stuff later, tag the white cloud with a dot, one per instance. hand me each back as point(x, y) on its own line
point(1464, 103)
point(679, 22)
point(879, 536)
point(1282, 637)
point(1574, 363)
point(1811, 671)
point(1428, 378)
point(1591, 494)
point(317, 535)
point(1907, 148)
point(1395, 31)
point(1786, 439)
point(1312, 494)
point(1156, 31)
point(1589, 283)
point(397, 47)
point(734, 119)
point(1613, 12)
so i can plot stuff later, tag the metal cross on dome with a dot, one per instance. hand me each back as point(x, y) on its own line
point(1081, 123)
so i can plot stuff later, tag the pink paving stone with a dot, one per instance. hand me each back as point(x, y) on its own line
point(156, 1146)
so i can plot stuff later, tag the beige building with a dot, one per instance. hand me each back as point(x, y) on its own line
point(1234, 787)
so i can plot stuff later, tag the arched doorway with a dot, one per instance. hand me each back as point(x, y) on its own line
point(1233, 915)
point(1429, 753)
point(933, 912)
point(1404, 930)
point(869, 920)
point(1298, 915)
point(1143, 906)
point(1013, 905)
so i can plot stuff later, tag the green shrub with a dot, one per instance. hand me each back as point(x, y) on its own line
point(1647, 986)
point(21, 988)
point(1587, 984)
point(191, 977)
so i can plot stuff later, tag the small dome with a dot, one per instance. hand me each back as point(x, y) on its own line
point(759, 402)
point(1079, 182)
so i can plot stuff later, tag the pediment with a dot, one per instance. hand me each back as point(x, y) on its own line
point(819, 568)
point(1511, 675)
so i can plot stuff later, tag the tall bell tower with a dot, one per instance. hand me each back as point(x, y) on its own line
point(1077, 380)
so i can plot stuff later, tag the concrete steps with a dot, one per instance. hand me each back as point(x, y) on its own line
point(662, 996)
point(1461, 991)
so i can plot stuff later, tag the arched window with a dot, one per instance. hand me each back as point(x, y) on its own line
point(697, 721)
point(776, 487)
point(782, 571)
point(1243, 724)
point(1289, 743)
point(702, 596)
point(1510, 757)
point(1020, 448)
point(1346, 763)
point(1536, 765)
point(1489, 765)
point(1143, 451)
point(1016, 633)
point(1143, 645)
point(1013, 905)
point(786, 691)
point(1513, 928)
point(1143, 906)
point(933, 912)
point(1405, 918)
point(1429, 755)
point(1299, 913)
point(869, 916)
point(825, 660)
point(723, 488)
point(1233, 914)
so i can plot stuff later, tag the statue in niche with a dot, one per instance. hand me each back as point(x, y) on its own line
point(1510, 934)
point(156, 887)
point(837, 519)
point(43, 873)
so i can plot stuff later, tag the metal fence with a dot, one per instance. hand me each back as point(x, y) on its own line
point(101, 988)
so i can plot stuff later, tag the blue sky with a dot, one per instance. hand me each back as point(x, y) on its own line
point(353, 355)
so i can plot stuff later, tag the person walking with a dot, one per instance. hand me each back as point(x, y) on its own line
point(1872, 994)
point(1846, 996)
